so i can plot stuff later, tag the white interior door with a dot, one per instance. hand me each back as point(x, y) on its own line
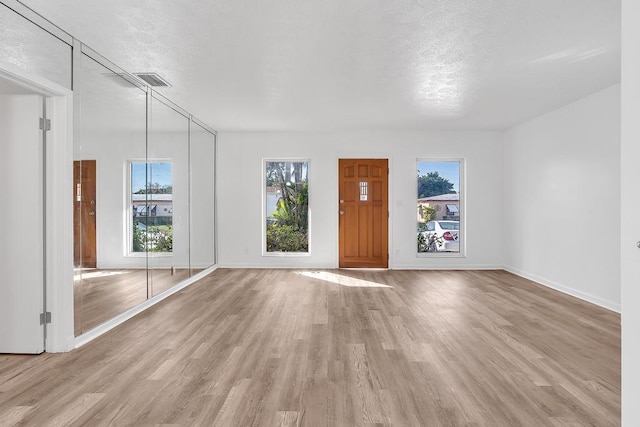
point(21, 220)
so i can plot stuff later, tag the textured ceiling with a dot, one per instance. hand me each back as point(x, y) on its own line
point(356, 64)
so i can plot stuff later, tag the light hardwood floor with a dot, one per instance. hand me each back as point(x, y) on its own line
point(343, 348)
point(101, 294)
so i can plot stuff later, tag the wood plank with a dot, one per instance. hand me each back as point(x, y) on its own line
point(279, 347)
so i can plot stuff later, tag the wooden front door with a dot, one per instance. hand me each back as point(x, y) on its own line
point(364, 213)
point(84, 213)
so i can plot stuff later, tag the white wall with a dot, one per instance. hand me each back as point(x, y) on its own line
point(240, 193)
point(630, 208)
point(562, 194)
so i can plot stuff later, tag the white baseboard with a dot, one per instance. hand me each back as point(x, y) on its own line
point(280, 266)
point(94, 333)
point(609, 305)
point(391, 267)
point(447, 267)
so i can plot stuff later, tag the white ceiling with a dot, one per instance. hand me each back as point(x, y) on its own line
point(354, 64)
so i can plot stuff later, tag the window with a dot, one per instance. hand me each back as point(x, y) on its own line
point(439, 207)
point(151, 226)
point(286, 201)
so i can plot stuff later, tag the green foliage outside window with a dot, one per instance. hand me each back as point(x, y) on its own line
point(153, 238)
point(288, 226)
point(432, 184)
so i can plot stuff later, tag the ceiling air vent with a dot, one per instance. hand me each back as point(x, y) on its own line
point(153, 79)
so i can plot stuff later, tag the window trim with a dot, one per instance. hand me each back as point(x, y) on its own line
point(461, 208)
point(128, 231)
point(263, 192)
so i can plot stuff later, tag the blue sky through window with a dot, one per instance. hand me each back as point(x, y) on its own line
point(447, 170)
point(161, 173)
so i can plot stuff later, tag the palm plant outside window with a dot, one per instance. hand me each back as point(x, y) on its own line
point(287, 206)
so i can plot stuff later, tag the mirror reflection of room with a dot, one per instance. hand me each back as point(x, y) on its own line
point(142, 180)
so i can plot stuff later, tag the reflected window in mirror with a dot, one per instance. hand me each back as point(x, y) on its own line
point(151, 207)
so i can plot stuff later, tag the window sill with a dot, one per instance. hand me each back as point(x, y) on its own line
point(149, 254)
point(285, 254)
point(440, 255)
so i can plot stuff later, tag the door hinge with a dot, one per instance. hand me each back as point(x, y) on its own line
point(45, 124)
point(45, 317)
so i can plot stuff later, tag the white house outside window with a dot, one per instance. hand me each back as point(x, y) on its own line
point(151, 199)
point(439, 205)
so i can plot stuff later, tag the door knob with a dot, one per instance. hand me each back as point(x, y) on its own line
point(341, 201)
point(92, 213)
point(638, 244)
point(341, 212)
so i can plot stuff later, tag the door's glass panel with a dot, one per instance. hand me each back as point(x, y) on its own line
point(167, 222)
point(109, 134)
point(286, 207)
point(363, 191)
point(29, 47)
point(202, 151)
point(439, 207)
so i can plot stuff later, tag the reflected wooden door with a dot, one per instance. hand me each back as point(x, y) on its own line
point(84, 213)
point(364, 213)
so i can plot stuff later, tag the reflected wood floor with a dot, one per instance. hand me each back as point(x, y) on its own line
point(102, 294)
point(340, 348)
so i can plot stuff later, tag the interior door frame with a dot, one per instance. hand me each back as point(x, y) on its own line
point(58, 236)
point(336, 205)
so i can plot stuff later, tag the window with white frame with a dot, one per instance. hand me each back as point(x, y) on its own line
point(439, 207)
point(150, 228)
point(286, 201)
